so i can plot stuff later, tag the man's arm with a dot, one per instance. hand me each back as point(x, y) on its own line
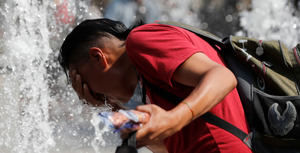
point(212, 83)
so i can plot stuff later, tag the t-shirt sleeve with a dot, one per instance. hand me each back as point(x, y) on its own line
point(158, 50)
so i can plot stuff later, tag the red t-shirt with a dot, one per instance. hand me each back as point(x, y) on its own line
point(157, 50)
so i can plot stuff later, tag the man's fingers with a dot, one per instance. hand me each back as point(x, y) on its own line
point(72, 73)
point(141, 133)
point(142, 136)
point(125, 132)
point(87, 93)
point(147, 137)
point(81, 89)
point(78, 86)
point(76, 82)
point(145, 108)
point(145, 118)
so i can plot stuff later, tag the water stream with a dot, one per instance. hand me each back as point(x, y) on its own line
point(39, 111)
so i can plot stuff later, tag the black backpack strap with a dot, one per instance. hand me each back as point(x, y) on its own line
point(128, 145)
point(217, 121)
point(212, 39)
point(132, 139)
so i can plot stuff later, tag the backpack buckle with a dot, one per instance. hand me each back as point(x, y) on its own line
point(247, 140)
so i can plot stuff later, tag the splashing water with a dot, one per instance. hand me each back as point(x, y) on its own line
point(24, 92)
point(39, 112)
point(178, 10)
point(31, 30)
point(272, 20)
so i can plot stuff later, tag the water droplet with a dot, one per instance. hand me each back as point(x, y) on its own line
point(85, 140)
point(295, 26)
point(229, 18)
point(74, 133)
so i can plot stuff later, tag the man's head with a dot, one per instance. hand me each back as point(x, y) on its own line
point(75, 48)
point(95, 49)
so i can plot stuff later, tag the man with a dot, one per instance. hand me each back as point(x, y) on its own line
point(105, 58)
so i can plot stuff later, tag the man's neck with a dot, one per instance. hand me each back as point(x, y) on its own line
point(131, 77)
point(127, 69)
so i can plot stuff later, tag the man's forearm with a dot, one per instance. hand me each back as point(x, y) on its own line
point(210, 90)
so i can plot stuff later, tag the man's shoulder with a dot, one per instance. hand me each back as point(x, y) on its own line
point(153, 31)
point(154, 27)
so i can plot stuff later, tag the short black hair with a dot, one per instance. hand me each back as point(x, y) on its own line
point(75, 46)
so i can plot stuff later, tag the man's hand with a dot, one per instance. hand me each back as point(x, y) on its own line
point(83, 90)
point(161, 125)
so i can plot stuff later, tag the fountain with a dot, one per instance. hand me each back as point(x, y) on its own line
point(270, 20)
point(39, 112)
point(33, 102)
point(24, 91)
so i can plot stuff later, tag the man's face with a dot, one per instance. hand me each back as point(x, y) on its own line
point(99, 82)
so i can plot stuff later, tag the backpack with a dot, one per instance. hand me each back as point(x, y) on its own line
point(268, 75)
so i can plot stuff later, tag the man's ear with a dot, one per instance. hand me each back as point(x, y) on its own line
point(96, 55)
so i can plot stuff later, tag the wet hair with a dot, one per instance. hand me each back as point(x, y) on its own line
point(74, 49)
